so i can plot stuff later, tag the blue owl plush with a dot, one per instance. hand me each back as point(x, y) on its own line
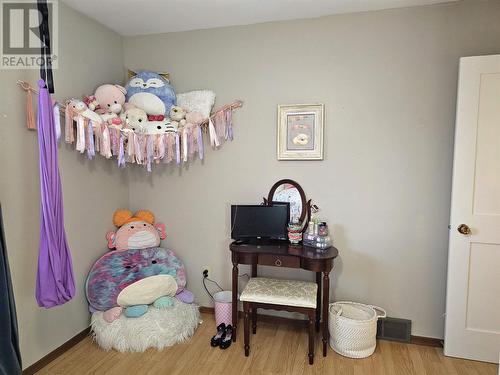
point(151, 92)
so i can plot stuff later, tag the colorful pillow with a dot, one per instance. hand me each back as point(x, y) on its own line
point(116, 270)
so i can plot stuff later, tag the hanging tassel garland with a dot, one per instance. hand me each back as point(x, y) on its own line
point(160, 146)
point(80, 134)
point(121, 152)
point(90, 140)
point(200, 142)
point(111, 140)
point(30, 114)
point(169, 148)
point(105, 142)
point(220, 126)
point(177, 149)
point(57, 122)
point(131, 148)
point(138, 149)
point(115, 139)
point(229, 124)
point(184, 144)
point(97, 137)
point(214, 142)
point(69, 135)
point(149, 151)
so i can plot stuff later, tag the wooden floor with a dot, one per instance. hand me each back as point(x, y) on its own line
point(277, 348)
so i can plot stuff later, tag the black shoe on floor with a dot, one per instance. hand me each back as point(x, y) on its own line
point(227, 338)
point(217, 339)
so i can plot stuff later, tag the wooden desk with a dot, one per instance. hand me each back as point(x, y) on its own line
point(283, 254)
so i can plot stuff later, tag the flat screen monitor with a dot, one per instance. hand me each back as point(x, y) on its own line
point(254, 221)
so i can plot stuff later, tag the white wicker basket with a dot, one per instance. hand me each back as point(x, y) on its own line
point(353, 328)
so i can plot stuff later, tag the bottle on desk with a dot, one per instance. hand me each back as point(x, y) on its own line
point(317, 235)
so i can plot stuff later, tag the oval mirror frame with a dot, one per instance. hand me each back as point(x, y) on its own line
point(306, 204)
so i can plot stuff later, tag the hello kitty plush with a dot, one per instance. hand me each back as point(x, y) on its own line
point(137, 273)
point(159, 127)
point(137, 121)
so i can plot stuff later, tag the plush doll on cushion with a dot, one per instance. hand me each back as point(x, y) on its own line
point(138, 273)
point(110, 99)
point(151, 92)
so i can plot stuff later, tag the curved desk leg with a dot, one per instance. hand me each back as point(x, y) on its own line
point(318, 301)
point(254, 311)
point(235, 300)
point(326, 296)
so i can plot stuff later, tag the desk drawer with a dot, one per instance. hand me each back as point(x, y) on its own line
point(279, 260)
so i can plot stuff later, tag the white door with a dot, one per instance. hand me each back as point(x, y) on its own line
point(473, 293)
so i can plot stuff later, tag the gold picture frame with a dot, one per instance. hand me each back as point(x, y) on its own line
point(300, 131)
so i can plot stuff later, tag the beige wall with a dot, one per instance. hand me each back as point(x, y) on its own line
point(90, 54)
point(388, 81)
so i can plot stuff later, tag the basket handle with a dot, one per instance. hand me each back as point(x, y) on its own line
point(381, 310)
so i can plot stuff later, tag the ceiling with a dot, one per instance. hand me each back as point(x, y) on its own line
point(139, 17)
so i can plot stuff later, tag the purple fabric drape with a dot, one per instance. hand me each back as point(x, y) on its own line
point(55, 283)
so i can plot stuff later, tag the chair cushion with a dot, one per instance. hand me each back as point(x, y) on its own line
point(280, 292)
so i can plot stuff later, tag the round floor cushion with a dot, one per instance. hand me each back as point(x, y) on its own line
point(158, 328)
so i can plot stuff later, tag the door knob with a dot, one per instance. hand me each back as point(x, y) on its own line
point(464, 229)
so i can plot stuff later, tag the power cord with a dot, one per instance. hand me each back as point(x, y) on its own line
point(212, 281)
point(205, 278)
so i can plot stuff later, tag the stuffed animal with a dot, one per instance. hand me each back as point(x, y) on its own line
point(151, 92)
point(79, 108)
point(135, 119)
point(137, 273)
point(91, 102)
point(178, 116)
point(110, 99)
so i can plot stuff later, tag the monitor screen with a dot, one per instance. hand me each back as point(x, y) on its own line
point(253, 221)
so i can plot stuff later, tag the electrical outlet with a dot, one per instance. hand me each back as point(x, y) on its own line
point(206, 271)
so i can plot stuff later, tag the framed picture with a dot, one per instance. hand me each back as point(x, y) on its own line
point(300, 132)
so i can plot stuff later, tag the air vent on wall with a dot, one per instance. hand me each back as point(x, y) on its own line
point(394, 329)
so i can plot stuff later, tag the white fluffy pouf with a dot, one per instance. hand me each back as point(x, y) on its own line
point(155, 329)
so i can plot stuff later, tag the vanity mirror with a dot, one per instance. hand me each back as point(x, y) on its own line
point(287, 190)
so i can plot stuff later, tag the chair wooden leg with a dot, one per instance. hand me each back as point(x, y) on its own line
point(254, 321)
point(311, 337)
point(246, 334)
